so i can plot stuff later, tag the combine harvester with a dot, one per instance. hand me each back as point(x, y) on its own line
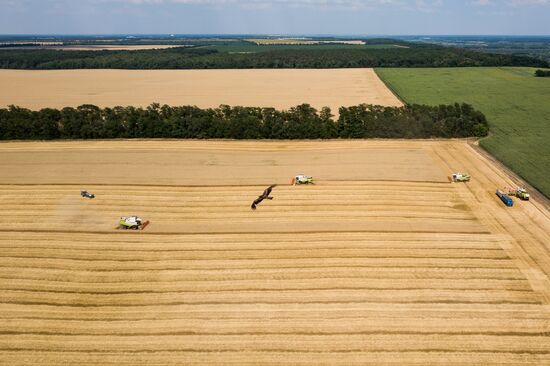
point(459, 177)
point(302, 179)
point(132, 223)
point(520, 193)
point(86, 194)
point(508, 201)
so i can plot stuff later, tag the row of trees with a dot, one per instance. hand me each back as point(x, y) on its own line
point(412, 55)
point(301, 122)
point(542, 73)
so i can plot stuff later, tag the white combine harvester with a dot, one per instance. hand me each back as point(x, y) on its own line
point(459, 177)
point(302, 179)
point(132, 223)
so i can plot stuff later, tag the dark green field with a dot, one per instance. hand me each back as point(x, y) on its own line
point(253, 48)
point(516, 103)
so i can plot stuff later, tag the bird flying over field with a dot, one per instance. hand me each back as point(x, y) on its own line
point(264, 196)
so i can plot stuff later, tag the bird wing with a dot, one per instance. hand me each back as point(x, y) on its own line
point(258, 200)
point(268, 190)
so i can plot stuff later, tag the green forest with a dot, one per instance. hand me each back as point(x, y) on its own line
point(204, 57)
point(225, 122)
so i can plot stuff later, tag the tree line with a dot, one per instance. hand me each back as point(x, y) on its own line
point(409, 55)
point(542, 73)
point(225, 122)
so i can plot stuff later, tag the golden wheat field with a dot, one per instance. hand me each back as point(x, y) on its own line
point(279, 88)
point(382, 261)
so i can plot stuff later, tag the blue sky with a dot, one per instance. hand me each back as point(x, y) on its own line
point(340, 17)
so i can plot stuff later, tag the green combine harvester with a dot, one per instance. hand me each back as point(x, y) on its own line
point(520, 193)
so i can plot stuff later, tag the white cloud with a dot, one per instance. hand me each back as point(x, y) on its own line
point(481, 2)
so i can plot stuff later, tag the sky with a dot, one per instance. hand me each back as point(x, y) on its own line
point(305, 17)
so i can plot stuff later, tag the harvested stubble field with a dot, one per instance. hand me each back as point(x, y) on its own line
point(383, 261)
point(115, 47)
point(92, 47)
point(281, 88)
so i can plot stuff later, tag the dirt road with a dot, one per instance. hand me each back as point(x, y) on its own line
point(381, 261)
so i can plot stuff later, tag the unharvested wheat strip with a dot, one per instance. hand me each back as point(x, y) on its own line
point(152, 193)
point(483, 320)
point(255, 224)
point(443, 200)
point(226, 167)
point(240, 208)
point(339, 188)
point(304, 343)
point(273, 297)
point(245, 216)
point(243, 284)
point(330, 184)
point(304, 238)
point(57, 218)
point(168, 264)
point(356, 203)
point(9, 253)
point(263, 237)
point(227, 199)
point(361, 206)
point(264, 272)
point(163, 247)
point(23, 214)
point(273, 145)
point(352, 274)
point(230, 194)
point(176, 358)
point(151, 190)
point(365, 197)
point(277, 311)
point(486, 320)
point(53, 217)
point(168, 225)
point(160, 248)
point(277, 326)
point(261, 240)
point(241, 145)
